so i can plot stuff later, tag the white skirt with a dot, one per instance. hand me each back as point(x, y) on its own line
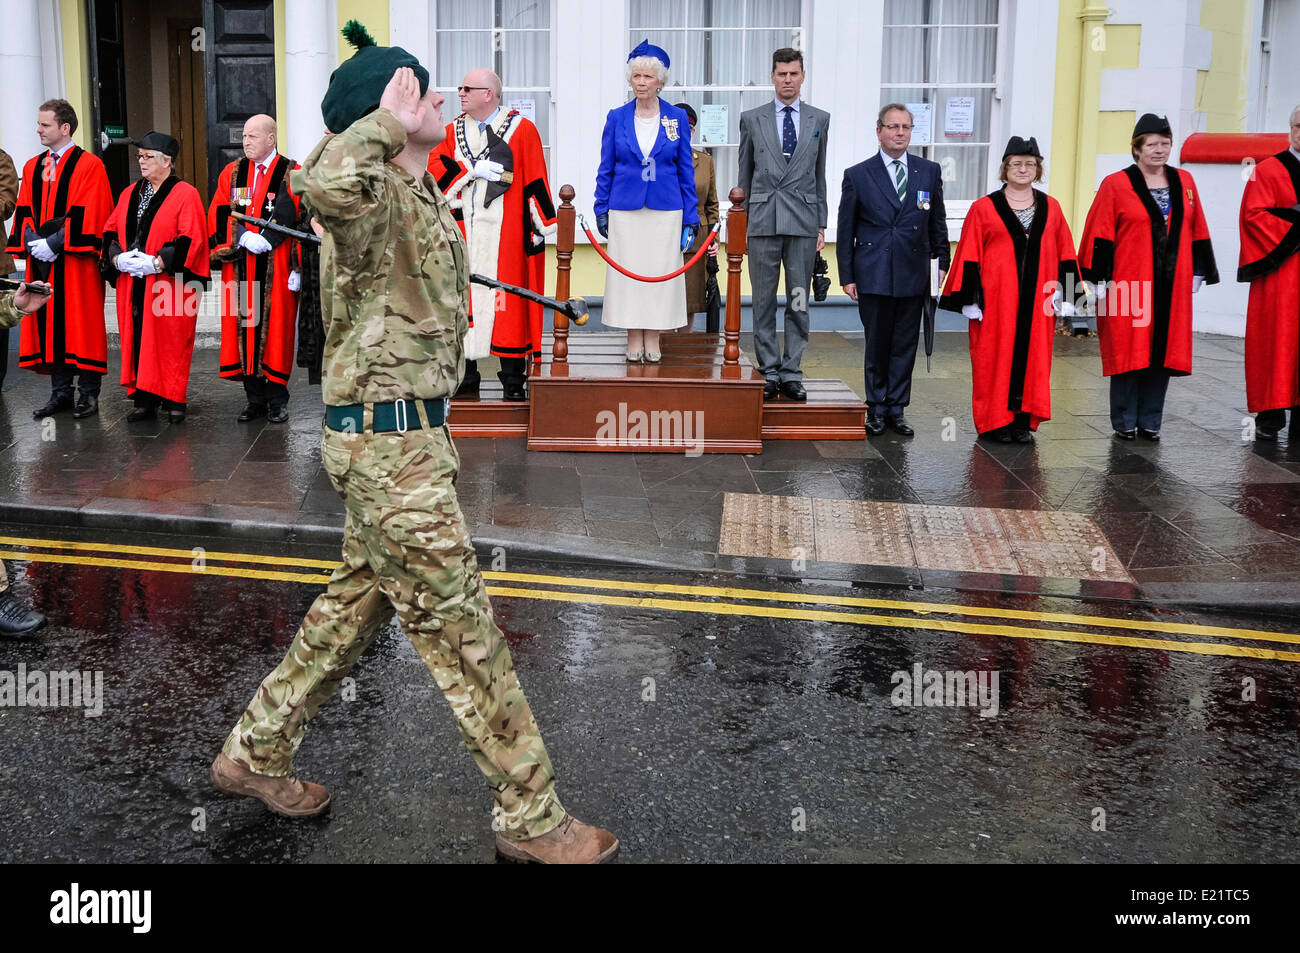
point(648, 242)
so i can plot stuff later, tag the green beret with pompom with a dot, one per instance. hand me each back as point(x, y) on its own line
point(358, 84)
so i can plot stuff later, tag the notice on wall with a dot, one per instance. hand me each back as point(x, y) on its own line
point(922, 123)
point(526, 108)
point(713, 127)
point(959, 116)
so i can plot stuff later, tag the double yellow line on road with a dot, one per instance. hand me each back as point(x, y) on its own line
point(710, 600)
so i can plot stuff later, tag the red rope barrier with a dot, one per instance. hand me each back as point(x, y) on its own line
point(713, 237)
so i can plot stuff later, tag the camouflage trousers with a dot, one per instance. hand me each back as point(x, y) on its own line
point(406, 549)
point(4, 577)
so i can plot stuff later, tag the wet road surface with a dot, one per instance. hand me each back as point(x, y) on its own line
point(702, 718)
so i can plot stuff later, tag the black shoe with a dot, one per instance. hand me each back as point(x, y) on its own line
point(251, 412)
point(1126, 434)
point(87, 406)
point(277, 415)
point(1152, 435)
point(55, 405)
point(770, 390)
point(998, 435)
point(514, 391)
point(178, 416)
point(1265, 435)
point(142, 414)
point(794, 390)
point(900, 425)
point(16, 620)
point(1022, 436)
point(875, 425)
point(469, 386)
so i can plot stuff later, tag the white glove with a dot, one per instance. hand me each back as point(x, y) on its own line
point(487, 170)
point(295, 281)
point(125, 263)
point(136, 264)
point(973, 312)
point(40, 249)
point(1197, 281)
point(254, 243)
point(1099, 290)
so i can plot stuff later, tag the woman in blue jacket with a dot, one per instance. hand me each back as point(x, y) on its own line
point(645, 203)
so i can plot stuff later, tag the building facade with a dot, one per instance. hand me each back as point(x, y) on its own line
point(1073, 73)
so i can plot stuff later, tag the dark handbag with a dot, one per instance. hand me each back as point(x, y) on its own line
point(821, 281)
point(712, 296)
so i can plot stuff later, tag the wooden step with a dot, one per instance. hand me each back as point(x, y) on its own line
point(832, 412)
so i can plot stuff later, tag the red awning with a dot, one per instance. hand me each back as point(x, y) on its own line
point(1231, 147)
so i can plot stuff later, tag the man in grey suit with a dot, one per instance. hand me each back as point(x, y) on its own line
point(783, 173)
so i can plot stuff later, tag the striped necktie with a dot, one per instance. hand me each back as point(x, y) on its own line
point(900, 178)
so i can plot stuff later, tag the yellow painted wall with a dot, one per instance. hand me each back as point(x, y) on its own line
point(76, 66)
point(281, 95)
point(371, 13)
point(1221, 90)
point(1123, 46)
point(1065, 119)
point(1115, 131)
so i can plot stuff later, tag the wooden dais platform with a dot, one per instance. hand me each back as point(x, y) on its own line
point(688, 402)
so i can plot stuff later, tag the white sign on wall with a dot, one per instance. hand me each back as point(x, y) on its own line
point(922, 123)
point(713, 128)
point(959, 116)
point(526, 108)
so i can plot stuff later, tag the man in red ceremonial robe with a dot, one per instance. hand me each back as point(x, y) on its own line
point(1014, 258)
point(156, 245)
point(259, 286)
point(1270, 261)
point(1146, 246)
point(58, 226)
point(492, 169)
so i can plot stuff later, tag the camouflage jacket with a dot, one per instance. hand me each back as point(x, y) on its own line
point(10, 316)
point(393, 274)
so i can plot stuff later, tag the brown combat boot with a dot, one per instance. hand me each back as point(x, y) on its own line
point(573, 842)
point(287, 796)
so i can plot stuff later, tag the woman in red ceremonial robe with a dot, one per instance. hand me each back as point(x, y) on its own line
point(1270, 261)
point(156, 244)
point(1146, 246)
point(1015, 256)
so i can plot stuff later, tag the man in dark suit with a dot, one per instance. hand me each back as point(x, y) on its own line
point(891, 223)
point(783, 173)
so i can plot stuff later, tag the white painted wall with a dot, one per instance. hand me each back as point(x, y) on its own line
point(1221, 308)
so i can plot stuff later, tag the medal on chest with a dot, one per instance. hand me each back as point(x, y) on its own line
point(670, 129)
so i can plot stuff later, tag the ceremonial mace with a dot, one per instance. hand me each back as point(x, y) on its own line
point(575, 308)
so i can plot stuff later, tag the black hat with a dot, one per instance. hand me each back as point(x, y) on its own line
point(1151, 123)
point(690, 113)
point(159, 142)
point(1022, 147)
point(358, 84)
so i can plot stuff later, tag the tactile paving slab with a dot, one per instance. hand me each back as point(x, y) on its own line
point(958, 538)
point(778, 527)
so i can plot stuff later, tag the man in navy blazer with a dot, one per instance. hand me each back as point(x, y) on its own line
point(891, 223)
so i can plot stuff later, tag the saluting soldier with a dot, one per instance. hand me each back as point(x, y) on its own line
point(395, 297)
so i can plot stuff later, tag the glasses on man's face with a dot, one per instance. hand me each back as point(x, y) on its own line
point(897, 127)
point(1023, 166)
point(471, 89)
point(149, 157)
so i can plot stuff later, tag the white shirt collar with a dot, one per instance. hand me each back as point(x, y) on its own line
point(780, 106)
point(490, 119)
point(62, 152)
point(265, 160)
point(889, 160)
point(1295, 152)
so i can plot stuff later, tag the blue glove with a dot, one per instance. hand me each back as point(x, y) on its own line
point(688, 236)
point(602, 224)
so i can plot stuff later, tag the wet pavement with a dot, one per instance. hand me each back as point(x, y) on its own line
point(753, 726)
point(1205, 515)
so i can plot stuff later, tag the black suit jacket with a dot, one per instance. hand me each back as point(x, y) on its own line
point(884, 246)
